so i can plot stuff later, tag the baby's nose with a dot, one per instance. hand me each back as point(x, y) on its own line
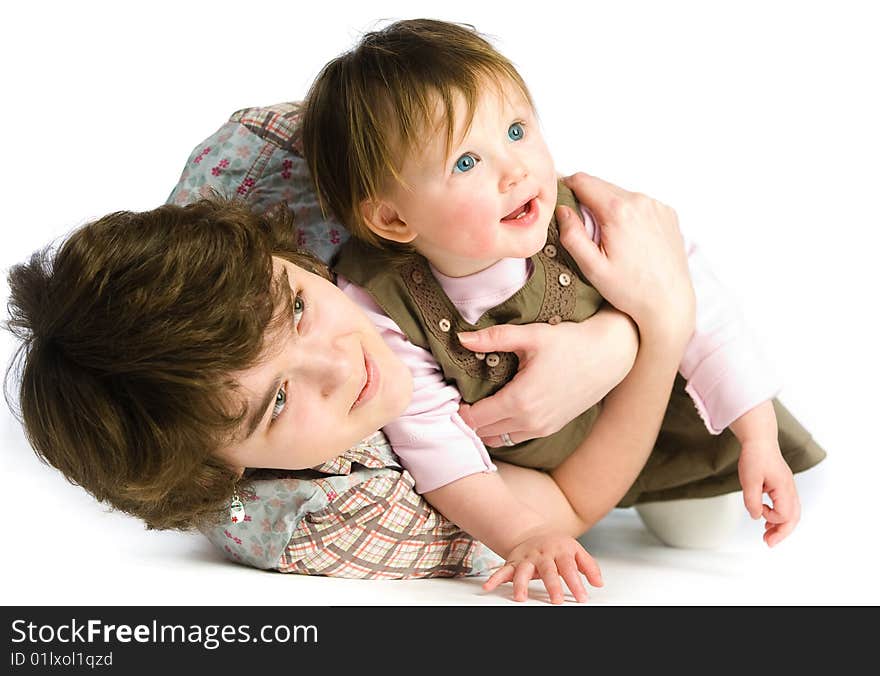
point(514, 172)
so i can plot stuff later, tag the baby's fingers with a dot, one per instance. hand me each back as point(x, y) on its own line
point(773, 515)
point(753, 491)
point(569, 572)
point(588, 566)
point(500, 576)
point(550, 575)
point(777, 533)
point(525, 571)
point(778, 526)
point(786, 504)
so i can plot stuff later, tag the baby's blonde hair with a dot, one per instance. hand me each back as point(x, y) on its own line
point(371, 106)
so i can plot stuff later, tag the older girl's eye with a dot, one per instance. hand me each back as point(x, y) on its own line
point(515, 132)
point(465, 163)
point(280, 402)
point(299, 307)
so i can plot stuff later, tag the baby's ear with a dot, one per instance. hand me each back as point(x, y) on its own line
point(383, 220)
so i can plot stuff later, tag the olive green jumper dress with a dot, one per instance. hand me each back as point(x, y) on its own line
point(687, 461)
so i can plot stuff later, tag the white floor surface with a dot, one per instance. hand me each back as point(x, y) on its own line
point(65, 549)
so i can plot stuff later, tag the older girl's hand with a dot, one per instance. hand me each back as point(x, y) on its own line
point(563, 370)
point(640, 265)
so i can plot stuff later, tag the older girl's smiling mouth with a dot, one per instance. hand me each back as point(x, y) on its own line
point(370, 384)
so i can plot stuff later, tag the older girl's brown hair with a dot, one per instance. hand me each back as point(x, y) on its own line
point(377, 102)
point(130, 332)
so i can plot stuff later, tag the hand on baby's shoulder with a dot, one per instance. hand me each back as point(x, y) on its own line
point(640, 264)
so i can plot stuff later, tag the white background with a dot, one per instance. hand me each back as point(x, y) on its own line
point(757, 121)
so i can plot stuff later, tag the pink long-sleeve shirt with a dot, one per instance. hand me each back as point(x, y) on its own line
point(726, 372)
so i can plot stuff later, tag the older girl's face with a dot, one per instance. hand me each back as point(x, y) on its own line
point(326, 381)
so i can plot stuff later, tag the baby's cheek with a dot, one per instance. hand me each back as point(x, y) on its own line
point(475, 230)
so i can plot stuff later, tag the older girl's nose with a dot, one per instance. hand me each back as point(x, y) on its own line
point(329, 365)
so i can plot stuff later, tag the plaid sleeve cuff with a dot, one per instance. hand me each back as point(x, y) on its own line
point(382, 529)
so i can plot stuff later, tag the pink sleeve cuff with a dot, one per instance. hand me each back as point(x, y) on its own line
point(441, 458)
point(727, 372)
point(722, 391)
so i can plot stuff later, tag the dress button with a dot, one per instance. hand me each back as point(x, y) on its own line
point(493, 360)
point(480, 355)
point(444, 325)
point(417, 276)
point(554, 320)
point(550, 251)
point(565, 279)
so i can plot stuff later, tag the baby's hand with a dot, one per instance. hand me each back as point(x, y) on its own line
point(548, 556)
point(762, 469)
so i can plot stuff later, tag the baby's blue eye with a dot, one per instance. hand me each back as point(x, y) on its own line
point(465, 163)
point(515, 131)
point(280, 402)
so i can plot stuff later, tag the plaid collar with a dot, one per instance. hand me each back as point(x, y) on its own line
point(373, 452)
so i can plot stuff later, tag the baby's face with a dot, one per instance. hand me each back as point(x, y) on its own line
point(490, 198)
point(327, 380)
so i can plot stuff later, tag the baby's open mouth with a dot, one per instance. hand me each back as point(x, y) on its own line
point(520, 212)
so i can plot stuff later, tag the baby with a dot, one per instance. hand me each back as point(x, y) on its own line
point(424, 142)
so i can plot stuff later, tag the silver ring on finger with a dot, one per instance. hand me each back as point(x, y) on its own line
point(506, 440)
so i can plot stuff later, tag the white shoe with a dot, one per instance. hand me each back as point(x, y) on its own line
point(694, 523)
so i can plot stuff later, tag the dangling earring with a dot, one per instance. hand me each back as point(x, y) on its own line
point(236, 508)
